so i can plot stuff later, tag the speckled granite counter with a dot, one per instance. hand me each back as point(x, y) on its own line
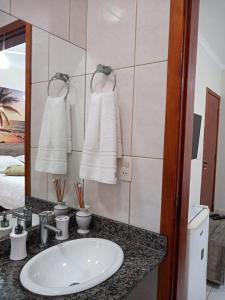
point(143, 252)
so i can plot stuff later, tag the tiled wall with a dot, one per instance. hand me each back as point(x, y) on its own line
point(132, 37)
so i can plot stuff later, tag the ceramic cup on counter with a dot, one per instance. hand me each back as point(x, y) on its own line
point(62, 223)
point(61, 209)
point(83, 218)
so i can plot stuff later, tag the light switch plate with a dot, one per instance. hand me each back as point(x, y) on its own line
point(125, 168)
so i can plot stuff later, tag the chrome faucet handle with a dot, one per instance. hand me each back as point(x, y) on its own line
point(43, 217)
point(4, 214)
point(27, 210)
point(45, 227)
point(25, 216)
point(4, 221)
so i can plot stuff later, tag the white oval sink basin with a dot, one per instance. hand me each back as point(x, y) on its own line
point(71, 267)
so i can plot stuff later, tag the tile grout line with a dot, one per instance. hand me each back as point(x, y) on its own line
point(132, 117)
point(48, 56)
point(137, 65)
point(54, 34)
point(85, 89)
point(44, 81)
point(86, 29)
point(69, 17)
point(209, 293)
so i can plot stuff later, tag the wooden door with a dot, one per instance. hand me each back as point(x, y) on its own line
point(210, 149)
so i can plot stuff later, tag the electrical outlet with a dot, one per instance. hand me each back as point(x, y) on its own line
point(125, 168)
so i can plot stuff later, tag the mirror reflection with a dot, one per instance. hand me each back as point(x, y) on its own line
point(12, 112)
point(36, 65)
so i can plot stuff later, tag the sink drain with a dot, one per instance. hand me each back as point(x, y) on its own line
point(74, 283)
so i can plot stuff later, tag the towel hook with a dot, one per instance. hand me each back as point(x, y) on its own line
point(107, 70)
point(63, 77)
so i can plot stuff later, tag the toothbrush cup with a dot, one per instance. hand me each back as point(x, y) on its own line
point(83, 218)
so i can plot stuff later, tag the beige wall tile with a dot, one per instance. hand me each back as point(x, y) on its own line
point(111, 33)
point(145, 199)
point(111, 201)
point(40, 46)
point(5, 5)
point(38, 180)
point(78, 22)
point(38, 98)
point(149, 110)
point(77, 100)
point(52, 16)
point(65, 57)
point(6, 19)
point(152, 31)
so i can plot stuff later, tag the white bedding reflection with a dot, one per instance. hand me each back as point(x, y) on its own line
point(12, 193)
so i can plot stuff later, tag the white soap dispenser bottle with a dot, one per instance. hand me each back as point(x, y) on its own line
point(18, 243)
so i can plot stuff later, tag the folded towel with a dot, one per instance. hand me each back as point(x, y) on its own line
point(102, 145)
point(54, 138)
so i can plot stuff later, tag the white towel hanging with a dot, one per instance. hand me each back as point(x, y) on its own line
point(102, 145)
point(54, 142)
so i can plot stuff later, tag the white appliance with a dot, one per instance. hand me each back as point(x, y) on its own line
point(197, 252)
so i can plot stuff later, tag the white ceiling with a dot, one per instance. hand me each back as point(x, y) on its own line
point(212, 28)
point(16, 56)
point(13, 77)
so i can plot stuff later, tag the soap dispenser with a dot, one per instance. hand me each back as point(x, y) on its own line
point(18, 242)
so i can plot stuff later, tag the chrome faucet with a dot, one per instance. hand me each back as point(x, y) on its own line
point(25, 216)
point(45, 227)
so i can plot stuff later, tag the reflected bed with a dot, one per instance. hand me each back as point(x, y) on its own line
point(12, 193)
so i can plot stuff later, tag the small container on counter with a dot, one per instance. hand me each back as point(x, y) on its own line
point(83, 218)
point(61, 209)
point(62, 223)
point(18, 243)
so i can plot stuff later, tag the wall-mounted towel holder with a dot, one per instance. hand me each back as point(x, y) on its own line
point(63, 77)
point(107, 70)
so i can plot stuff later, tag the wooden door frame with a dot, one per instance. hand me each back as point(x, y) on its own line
point(23, 27)
point(182, 56)
point(209, 91)
point(28, 35)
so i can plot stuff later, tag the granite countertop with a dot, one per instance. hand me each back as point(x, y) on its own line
point(143, 252)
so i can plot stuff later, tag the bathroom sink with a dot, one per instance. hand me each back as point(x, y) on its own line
point(71, 267)
point(12, 223)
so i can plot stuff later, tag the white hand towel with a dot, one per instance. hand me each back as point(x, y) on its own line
point(53, 143)
point(69, 126)
point(102, 145)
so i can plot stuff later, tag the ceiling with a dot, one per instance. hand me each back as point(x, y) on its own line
point(16, 56)
point(212, 28)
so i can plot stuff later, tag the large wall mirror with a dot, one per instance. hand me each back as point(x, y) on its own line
point(15, 66)
point(29, 58)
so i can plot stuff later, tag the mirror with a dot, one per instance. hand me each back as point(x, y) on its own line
point(28, 50)
point(13, 115)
